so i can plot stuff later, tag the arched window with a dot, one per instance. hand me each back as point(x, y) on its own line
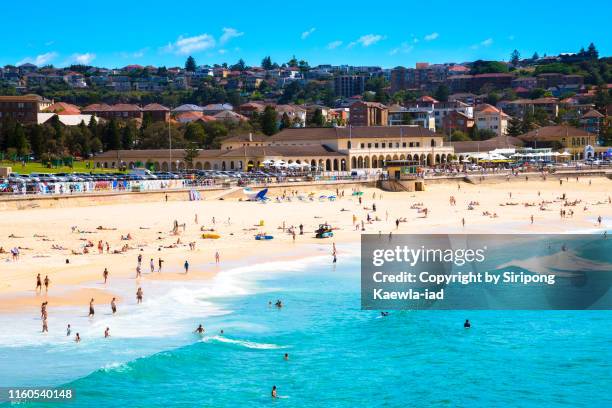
point(433, 143)
point(348, 144)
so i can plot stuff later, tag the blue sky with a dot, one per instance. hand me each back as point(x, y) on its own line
point(117, 33)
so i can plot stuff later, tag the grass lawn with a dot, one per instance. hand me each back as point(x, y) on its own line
point(37, 167)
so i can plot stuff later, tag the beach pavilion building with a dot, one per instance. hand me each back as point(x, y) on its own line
point(328, 149)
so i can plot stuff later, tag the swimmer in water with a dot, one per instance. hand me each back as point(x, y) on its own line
point(199, 330)
point(286, 357)
point(274, 395)
point(384, 313)
point(467, 324)
point(77, 338)
point(107, 333)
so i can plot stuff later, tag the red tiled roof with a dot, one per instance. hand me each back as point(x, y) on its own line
point(63, 108)
point(155, 107)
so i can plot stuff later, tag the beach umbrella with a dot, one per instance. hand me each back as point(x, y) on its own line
point(266, 162)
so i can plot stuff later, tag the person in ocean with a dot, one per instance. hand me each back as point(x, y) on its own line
point(91, 308)
point(77, 338)
point(467, 324)
point(286, 357)
point(274, 395)
point(68, 330)
point(199, 330)
point(107, 333)
point(384, 314)
point(278, 304)
point(139, 295)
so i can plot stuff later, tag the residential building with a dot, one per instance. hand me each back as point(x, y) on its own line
point(214, 108)
point(592, 121)
point(157, 112)
point(489, 117)
point(296, 114)
point(349, 85)
point(456, 120)
point(369, 114)
point(23, 109)
point(518, 107)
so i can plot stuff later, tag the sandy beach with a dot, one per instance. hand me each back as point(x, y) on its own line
point(506, 207)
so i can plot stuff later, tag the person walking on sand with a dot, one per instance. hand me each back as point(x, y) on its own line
point(105, 275)
point(160, 262)
point(152, 265)
point(138, 271)
point(186, 266)
point(114, 305)
point(38, 283)
point(139, 295)
point(68, 330)
point(43, 310)
point(46, 283)
point(91, 308)
point(217, 257)
point(531, 219)
point(463, 222)
point(599, 220)
point(107, 333)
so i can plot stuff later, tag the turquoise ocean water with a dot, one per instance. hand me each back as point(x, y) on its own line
point(339, 355)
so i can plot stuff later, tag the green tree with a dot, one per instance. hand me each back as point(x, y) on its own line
point(268, 121)
point(266, 63)
point(515, 58)
point(442, 93)
point(190, 64)
point(317, 118)
point(285, 121)
point(293, 62)
point(459, 136)
point(128, 136)
point(112, 135)
point(535, 56)
point(191, 152)
point(515, 127)
point(194, 134)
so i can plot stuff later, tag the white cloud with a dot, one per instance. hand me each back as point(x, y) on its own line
point(367, 40)
point(334, 44)
point(404, 48)
point(83, 59)
point(483, 43)
point(228, 34)
point(305, 34)
point(187, 45)
point(42, 59)
point(431, 37)
point(222, 51)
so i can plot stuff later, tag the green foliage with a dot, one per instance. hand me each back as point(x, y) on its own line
point(488, 67)
point(191, 152)
point(442, 93)
point(459, 136)
point(268, 121)
point(190, 64)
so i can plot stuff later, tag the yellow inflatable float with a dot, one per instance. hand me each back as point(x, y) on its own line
point(211, 236)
